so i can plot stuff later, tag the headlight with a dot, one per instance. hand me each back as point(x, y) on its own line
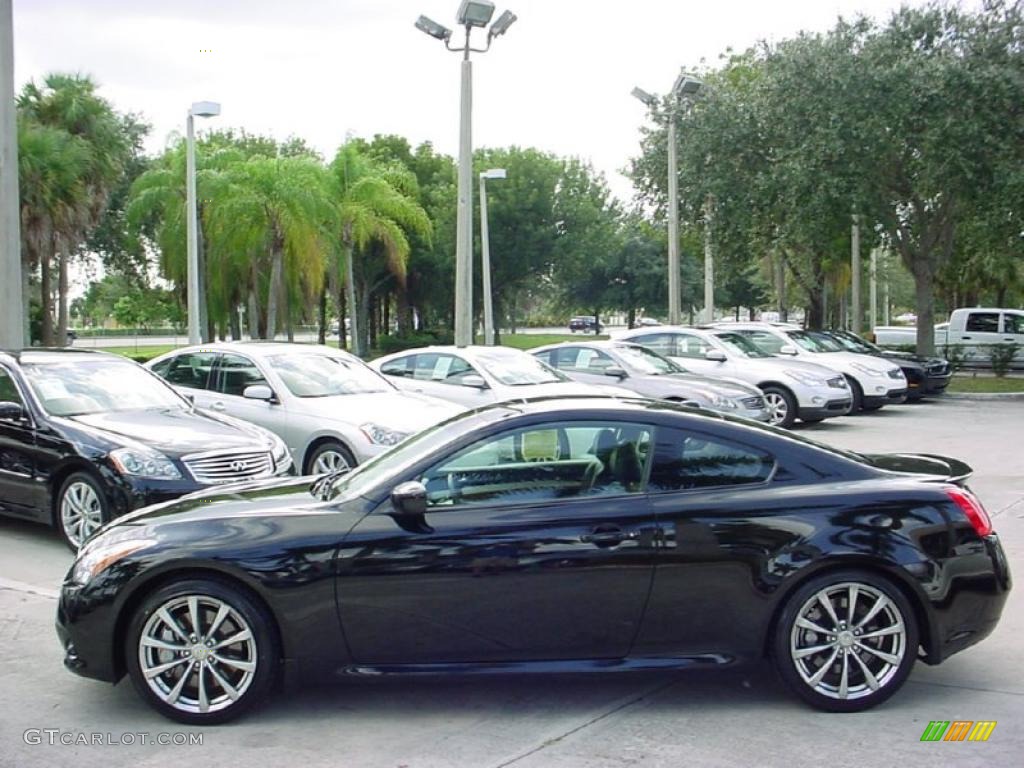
point(723, 402)
point(379, 435)
point(804, 378)
point(866, 369)
point(130, 461)
point(281, 454)
point(95, 559)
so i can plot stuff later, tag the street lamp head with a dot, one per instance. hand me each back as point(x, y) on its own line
point(433, 29)
point(205, 109)
point(475, 13)
point(493, 173)
point(649, 99)
point(686, 85)
point(500, 27)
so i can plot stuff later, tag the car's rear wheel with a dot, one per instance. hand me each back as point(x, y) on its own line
point(846, 641)
point(330, 456)
point(201, 651)
point(781, 406)
point(81, 509)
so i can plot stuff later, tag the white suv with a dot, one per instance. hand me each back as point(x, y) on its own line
point(793, 389)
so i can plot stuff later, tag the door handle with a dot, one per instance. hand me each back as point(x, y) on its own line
point(218, 406)
point(965, 338)
point(608, 536)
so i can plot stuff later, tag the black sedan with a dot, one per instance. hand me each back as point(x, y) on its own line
point(86, 437)
point(925, 375)
point(547, 535)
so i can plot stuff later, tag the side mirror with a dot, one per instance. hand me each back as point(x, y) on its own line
point(715, 355)
point(258, 392)
point(787, 350)
point(11, 411)
point(618, 373)
point(474, 380)
point(410, 499)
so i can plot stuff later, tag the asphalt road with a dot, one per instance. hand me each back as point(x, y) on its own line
point(729, 718)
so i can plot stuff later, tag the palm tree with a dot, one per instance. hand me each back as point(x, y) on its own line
point(376, 206)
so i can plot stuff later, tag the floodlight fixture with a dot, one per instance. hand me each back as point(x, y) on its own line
point(686, 85)
point(647, 98)
point(500, 27)
point(432, 28)
point(475, 13)
point(205, 109)
point(493, 173)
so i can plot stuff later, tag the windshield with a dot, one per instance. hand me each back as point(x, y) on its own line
point(83, 387)
point(740, 345)
point(518, 370)
point(854, 343)
point(647, 362)
point(312, 375)
point(805, 341)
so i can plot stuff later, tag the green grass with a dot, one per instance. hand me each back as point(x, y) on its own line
point(967, 384)
point(531, 340)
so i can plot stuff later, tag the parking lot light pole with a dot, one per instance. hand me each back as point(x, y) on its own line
point(12, 308)
point(485, 248)
point(472, 13)
point(683, 91)
point(200, 109)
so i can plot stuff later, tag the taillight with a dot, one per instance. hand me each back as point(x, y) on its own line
point(971, 507)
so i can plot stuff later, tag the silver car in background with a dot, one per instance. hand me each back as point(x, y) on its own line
point(793, 389)
point(330, 408)
point(649, 374)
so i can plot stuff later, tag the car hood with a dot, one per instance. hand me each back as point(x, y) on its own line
point(902, 357)
point(405, 412)
point(849, 358)
point(174, 433)
point(726, 387)
point(939, 467)
point(564, 389)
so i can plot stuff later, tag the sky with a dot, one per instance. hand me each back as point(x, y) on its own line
point(559, 80)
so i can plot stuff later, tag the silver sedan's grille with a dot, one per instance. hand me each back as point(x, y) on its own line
point(229, 467)
point(837, 382)
point(755, 403)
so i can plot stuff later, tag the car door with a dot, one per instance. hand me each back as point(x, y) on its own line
point(19, 492)
point(191, 373)
point(1013, 333)
point(444, 375)
point(538, 543)
point(981, 330)
point(234, 373)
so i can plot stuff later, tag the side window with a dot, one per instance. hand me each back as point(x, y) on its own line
point(983, 322)
point(237, 373)
point(552, 461)
point(189, 370)
point(8, 389)
point(662, 343)
point(397, 367)
point(766, 342)
point(441, 369)
point(1013, 323)
point(582, 359)
point(686, 460)
point(691, 346)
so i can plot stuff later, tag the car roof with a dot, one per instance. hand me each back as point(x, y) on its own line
point(57, 355)
point(598, 343)
point(260, 348)
point(471, 350)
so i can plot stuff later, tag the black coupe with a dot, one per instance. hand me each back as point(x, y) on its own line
point(589, 533)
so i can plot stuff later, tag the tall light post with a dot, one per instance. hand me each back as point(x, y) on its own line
point(198, 109)
point(855, 269)
point(683, 92)
point(485, 248)
point(12, 309)
point(472, 13)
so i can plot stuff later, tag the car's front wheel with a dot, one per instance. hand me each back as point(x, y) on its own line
point(846, 641)
point(330, 456)
point(781, 405)
point(201, 651)
point(81, 509)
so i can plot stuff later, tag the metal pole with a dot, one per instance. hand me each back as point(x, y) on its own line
point(12, 309)
point(885, 288)
point(485, 247)
point(709, 265)
point(191, 238)
point(673, 223)
point(464, 226)
point(873, 298)
point(855, 309)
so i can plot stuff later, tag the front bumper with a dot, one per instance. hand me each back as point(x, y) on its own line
point(86, 635)
point(835, 407)
point(892, 397)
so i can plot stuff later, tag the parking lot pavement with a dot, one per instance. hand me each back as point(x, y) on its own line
point(736, 717)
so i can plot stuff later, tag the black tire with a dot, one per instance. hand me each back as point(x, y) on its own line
point(71, 500)
point(784, 400)
point(856, 396)
point(261, 651)
point(324, 448)
point(840, 644)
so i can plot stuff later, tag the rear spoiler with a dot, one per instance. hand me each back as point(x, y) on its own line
point(938, 468)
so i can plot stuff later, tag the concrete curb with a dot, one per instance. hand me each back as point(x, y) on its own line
point(984, 396)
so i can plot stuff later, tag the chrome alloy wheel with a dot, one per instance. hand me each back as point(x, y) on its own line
point(778, 408)
point(330, 460)
point(848, 641)
point(197, 654)
point(80, 512)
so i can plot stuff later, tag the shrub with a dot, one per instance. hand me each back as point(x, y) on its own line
point(1001, 356)
point(957, 356)
point(389, 344)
